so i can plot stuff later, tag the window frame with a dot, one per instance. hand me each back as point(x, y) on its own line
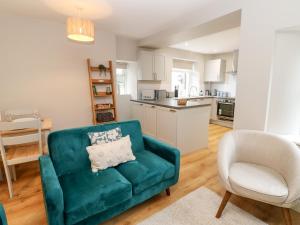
point(124, 74)
point(188, 78)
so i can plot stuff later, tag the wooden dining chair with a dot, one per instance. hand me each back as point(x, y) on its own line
point(21, 143)
point(12, 114)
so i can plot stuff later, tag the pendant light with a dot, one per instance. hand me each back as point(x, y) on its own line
point(79, 29)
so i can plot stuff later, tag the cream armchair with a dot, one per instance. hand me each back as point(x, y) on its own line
point(260, 166)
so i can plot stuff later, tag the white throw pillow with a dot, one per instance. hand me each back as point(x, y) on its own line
point(110, 154)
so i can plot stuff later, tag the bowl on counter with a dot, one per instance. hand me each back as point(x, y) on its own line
point(181, 101)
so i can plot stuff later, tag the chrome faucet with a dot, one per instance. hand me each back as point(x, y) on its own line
point(190, 91)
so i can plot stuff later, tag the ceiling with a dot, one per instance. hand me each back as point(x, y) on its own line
point(133, 18)
point(220, 42)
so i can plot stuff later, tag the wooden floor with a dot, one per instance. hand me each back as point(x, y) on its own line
point(197, 169)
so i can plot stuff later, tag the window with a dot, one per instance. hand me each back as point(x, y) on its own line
point(185, 78)
point(121, 81)
point(121, 75)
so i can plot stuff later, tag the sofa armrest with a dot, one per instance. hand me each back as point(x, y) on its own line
point(3, 220)
point(53, 195)
point(163, 150)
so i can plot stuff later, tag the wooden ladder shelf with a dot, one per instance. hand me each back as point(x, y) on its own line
point(104, 106)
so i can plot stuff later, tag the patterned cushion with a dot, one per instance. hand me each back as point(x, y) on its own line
point(110, 154)
point(105, 136)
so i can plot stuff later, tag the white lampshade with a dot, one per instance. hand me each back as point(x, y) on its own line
point(79, 29)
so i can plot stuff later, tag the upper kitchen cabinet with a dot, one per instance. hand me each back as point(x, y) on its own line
point(151, 66)
point(214, 70)
point(159, 67)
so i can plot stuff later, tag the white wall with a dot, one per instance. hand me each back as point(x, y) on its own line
point(284, 111)
point(170, 54)
point(132, 71)
point(124, 111)
point(127, 52)
point(126, 49)
point(40, 68)
point(260, 21)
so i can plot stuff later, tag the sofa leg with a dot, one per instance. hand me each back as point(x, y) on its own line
point(168, 191)
point(286, 216)
point(223, 204)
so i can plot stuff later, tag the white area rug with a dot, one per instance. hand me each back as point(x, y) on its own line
point(199, 208)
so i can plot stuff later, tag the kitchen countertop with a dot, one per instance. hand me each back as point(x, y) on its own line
point(195, 97)
point(172, 103)
point(207, 96)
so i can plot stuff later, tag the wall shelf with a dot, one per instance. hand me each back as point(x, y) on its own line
point(96, 69)
point(96, 95)
point(102, 94)
point(101, 81)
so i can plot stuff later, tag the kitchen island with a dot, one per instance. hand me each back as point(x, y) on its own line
point(182, 126)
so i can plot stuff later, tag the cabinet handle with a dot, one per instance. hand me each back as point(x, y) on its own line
point(152, 106)
point(141, 104)
point(172, 110)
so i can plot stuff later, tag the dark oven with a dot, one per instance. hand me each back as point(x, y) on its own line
point(225, 109)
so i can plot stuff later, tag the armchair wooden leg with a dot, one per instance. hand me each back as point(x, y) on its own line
point(286, 216)
point(223, 204)
point(168, 191)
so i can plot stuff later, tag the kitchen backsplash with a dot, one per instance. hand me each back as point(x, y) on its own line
point(228, 86)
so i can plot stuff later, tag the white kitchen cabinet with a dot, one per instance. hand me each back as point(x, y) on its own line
point(151, 66)
point(167, 125)
point(149, 120)
point(174, 126)
point(159, 67)
point(138, 112)
point(145, 66)
point(215, 70)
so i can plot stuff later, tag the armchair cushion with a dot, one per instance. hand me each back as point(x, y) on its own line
point(147, 170)
point(258, 182)
point(87, 193)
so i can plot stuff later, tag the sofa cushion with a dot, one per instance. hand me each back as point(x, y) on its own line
point(110, 154)
point(67, 148)
point(103, 137)
point(258, 182)
point(87, 193)
point(147, 170)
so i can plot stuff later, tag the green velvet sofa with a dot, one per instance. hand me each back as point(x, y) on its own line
point(73, 194)
point(3, 220)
